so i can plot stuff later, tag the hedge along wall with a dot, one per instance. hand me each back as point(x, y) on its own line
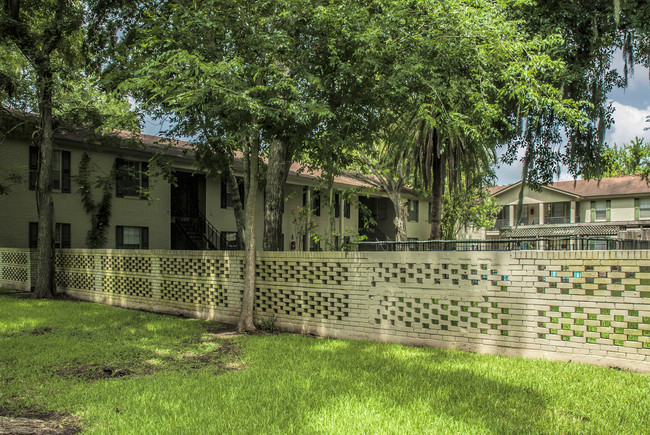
point(589, 306)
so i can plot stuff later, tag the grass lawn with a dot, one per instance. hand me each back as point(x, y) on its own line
point(124, 371)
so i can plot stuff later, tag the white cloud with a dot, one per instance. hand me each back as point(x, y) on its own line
point(629, 122)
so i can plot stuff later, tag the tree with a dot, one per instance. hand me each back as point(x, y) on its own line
point(592, 31)
point(42, 48)
point(629, 159)
point(230, 75)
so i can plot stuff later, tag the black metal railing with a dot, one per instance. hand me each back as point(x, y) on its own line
point(200, 233)
point(572, 243)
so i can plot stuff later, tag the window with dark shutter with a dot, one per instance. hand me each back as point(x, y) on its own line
point(33, 167)
point(131, 237)
point(119, 178)
point(33, 234)
point(65, 236)
point(65, 171)
point(337, 205)
point(131, 178)
point(224, 193)
point(346, 208)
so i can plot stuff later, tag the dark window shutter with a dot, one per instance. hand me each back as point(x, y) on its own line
point(119, 237)
point(346, 211)
point(65, 171)
point(65, 236)
point(33, 167)
point(337, 205)
point(144, 177)
point(316, 202)
point(144, 237)
point(636, 209)
point(224, 193)
point(304, 196)
point(119, 178)
point(33, 234)
point(593, 211)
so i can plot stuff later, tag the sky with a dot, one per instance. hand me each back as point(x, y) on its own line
point(631, 107)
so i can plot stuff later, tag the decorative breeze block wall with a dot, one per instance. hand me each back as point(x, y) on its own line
point(591, 306)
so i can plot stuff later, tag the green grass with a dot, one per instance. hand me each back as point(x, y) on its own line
point(289, 383)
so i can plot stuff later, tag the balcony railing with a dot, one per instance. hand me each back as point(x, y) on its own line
point(557, 220)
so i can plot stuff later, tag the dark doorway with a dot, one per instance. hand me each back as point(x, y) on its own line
point(188, 209)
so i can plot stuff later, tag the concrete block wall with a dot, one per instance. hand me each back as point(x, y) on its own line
point(588, 306)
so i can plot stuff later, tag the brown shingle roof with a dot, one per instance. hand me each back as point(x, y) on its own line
point(614, 186)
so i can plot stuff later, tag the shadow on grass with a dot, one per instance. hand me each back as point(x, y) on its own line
point(408, 388)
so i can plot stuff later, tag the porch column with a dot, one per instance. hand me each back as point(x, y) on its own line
point(341, 219)
point(540, 212)
point(572, 213)
point(511, 216)
point(308, 239)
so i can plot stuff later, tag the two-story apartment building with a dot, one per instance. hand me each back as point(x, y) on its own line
point(194, 213)
point(610, 207)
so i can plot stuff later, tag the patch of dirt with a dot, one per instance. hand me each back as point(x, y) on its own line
point(97, 371)
point(31, 421)
point(41, 331)
point(223, 358)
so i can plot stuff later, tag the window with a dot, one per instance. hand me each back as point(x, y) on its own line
point(413, 206)
point(60, 170)
point(131, 237)
point(131, 178)
point(229, 240)
point(600, 210)
point(226, 193)
point(346, 208)
point(61, 235)
point(644, 208)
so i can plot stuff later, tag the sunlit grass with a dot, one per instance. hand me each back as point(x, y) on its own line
point(293, 384)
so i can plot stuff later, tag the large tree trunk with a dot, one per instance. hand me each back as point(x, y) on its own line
point(252, 173)
point(437, 193)
point(400, 215)
point(45, 287)
point(240, 217)
point(276, 178)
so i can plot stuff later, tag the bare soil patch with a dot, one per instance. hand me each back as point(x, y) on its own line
point(223, 358)
point(29, 421)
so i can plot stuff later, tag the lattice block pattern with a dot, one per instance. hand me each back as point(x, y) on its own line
point(77, 280)
point(462, 274)
point(304, 272)
point(127, 286)
point(18, 274)
point(17, 258)
point(322, 305)
point(201, 267)
point(600, 281)
point(194, 292)
point(452, 315)
point(74, 261)
point(630, 328)
point(136, 264)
